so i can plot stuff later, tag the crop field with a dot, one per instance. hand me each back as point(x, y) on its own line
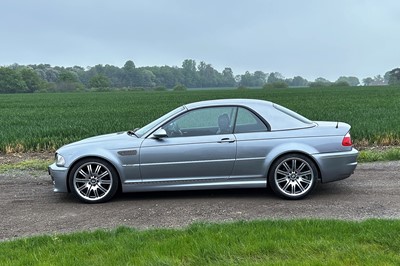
point(37, 122)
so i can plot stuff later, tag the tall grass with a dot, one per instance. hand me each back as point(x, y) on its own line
point(34, 122)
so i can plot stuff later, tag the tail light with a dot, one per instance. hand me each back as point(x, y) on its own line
point(347, 140)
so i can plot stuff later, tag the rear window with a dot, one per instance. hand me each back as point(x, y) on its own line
point(293, 114)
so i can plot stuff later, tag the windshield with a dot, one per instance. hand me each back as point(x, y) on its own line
point(148, 127)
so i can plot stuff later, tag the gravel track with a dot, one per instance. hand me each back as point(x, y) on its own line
point(29, 206)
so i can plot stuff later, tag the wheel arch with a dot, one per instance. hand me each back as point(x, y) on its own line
point(309, 156)
point(291, 148)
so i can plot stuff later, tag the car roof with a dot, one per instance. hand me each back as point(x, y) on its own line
point(224, 102)
point(278, 117)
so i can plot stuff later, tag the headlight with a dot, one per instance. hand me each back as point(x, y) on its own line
point(60, 161)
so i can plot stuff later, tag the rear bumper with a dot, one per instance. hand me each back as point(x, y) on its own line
point(337, 165)
point(59, 177)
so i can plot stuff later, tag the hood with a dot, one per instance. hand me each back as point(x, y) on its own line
point(109, 141)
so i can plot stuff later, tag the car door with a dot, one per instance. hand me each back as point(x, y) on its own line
point(195, 148)
point(253, 145)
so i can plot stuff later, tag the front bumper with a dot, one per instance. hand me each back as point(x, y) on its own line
point(337, 165)
point(59, 176)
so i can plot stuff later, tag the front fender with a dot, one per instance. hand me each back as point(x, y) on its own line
point(123, 160)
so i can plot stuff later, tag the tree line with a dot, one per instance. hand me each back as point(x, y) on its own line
point(46, 78)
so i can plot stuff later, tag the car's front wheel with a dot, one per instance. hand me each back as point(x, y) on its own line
point(293, 176)
point(93, 180)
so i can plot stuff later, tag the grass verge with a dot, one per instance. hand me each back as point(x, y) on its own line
point(392, 154)
point(31, 164)
point(272, 242)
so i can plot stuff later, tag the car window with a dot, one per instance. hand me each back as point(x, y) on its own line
point(292, 114)
point(204, 121)
point(247, 121)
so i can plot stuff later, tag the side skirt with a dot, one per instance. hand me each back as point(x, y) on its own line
point(193, 185)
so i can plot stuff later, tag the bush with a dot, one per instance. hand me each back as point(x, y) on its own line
point(280, 85)
point(267, 86)
point(66, 86)
point(241, 87)
point(275, 85)
point(180, 87)
point(340, 84)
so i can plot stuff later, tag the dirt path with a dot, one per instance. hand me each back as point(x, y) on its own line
point(29, 206)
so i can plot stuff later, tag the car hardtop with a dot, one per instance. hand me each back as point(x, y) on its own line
point(276, 116)
point(250, 103)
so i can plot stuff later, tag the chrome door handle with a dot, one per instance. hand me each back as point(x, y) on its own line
point(224, 140)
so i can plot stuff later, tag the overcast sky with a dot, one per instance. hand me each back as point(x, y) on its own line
point(310, 38)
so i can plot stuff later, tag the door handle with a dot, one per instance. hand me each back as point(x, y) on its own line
point(228, 140)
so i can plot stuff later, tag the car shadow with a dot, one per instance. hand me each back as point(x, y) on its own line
point(334, 189)
point(196, 194)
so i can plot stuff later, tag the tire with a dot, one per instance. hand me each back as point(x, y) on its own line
point(93, 180)
point(293, 176)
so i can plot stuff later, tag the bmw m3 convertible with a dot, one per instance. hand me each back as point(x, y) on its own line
point(217, 144)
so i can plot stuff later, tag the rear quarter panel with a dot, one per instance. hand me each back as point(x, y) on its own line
point(257, 151)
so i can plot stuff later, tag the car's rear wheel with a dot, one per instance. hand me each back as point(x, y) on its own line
point(93, 180)
point(293, 176)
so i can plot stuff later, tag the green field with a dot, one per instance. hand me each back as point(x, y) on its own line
point(295, 242)
point(36, 122)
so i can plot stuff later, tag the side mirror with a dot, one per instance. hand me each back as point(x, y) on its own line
point(160, 133)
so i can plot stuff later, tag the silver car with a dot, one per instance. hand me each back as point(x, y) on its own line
point(218, 144)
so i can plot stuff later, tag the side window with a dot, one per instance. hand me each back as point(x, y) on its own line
point(204, 121)
point(247, 121)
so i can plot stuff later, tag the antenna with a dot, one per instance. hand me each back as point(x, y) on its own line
point(337, 124)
